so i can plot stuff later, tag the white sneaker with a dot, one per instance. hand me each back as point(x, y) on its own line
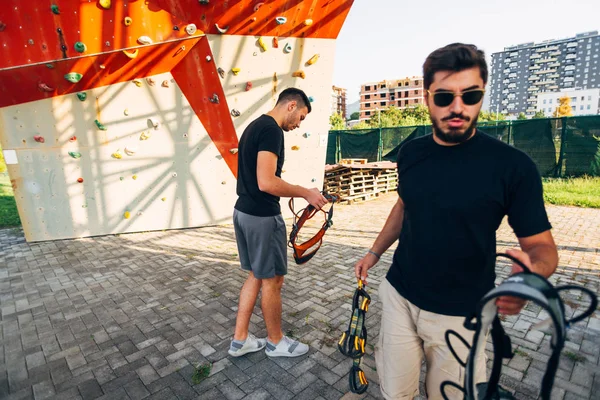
point(251, 345)
point(286, 348)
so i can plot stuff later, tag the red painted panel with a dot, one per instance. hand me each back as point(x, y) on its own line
point(34, 34)
point(199, 81)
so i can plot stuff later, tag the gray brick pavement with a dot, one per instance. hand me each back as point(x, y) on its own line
point(131, 316)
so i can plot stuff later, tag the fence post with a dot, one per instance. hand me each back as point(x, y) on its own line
point(563, 139)
point(380, 146)
point(338, 147)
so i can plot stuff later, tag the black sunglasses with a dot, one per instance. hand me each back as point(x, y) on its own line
point(469, 97)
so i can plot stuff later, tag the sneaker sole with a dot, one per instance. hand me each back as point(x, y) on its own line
point(270, 354)
point(239, 353)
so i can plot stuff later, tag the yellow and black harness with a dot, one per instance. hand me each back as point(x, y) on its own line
point(353, 341)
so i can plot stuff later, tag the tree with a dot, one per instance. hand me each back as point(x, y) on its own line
point(539, 114)
point(354, 116)
point(362, 125)
point(564, 107)
point(485, 116)
point(336, 122)
point(522, 116)
point(393, 116)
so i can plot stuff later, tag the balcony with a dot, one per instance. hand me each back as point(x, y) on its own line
point(571, 44)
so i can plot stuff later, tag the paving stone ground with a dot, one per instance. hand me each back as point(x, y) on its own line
point(132, 316)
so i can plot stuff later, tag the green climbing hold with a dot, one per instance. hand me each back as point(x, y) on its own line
point(82, 96)
point(99, 125)
point(49, 66)
point(75, 154)
point(73, 77)
point(55, 9)
point(80, 47)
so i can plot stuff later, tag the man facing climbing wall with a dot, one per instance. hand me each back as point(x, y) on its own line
point(259, 226)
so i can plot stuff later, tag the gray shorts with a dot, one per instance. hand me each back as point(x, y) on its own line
point(262, 244)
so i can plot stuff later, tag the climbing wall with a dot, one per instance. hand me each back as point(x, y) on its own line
point(124, 116)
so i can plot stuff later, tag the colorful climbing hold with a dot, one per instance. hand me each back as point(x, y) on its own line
point(80, 180)
point(72, 138)
point(223, 182)
point(150, 81)
point(82, 96)
point(145, 135)
point(174, 174)
point(2, 26)
point(261, 44)
point(248, 86)
point(164, 199)
point(208, 58)
point(121, 178)
point(75, 154)
point(221, 30)
point(55, 9)
point(49, 66)
point(295, 147)
point(80, 47)
point(308, 22)
point(130, 151)
point(175, 28)
point(144, 40)
point(190, 29)
point(126, 112)
point(117, 154)
point(99, 125)
point(45, 87)
point(126, 215)
point(275, 43)
point(165, 84)
point(313, 60)
point(134, 177)
point(280, 20)
point(287, 48)
point(137, 82)
point(104, 4)
point(153, 123)
point(102, 66)
point(311, 99)
point(235, 71)
point(203, 1)
point(235, 113)
point(214, 99)
point(257, 6)
point(306, 135)
point(73, 77)
point(132, 54)
point(221, 72)
point(299, 74)
point(39, 139)
point(127, 21)
point(233, 151)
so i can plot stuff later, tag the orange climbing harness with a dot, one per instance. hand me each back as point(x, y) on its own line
point(302, 251)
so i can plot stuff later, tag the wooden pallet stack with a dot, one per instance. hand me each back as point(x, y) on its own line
point(360, 181)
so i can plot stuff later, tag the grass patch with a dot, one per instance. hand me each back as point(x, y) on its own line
point(580, 192)
point(574, 356)
point(201, 372)
point(9, 216)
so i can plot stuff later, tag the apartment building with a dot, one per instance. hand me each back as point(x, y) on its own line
point(338, 101)
point(400, 93)
point(520, 73)
point(583, 101)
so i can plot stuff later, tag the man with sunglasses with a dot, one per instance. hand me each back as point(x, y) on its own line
point(455, 187)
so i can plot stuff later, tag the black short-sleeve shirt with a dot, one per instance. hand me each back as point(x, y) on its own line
point(455, 198)
point(263, 134)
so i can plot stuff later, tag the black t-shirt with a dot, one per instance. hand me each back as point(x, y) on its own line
point(263, 134)
point(455, 198)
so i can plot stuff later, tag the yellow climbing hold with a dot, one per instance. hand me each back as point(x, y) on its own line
point(262, 44)
point(164, 199)
point(132, 54)
point(104, 4)
point(308, 22)
point(137, 82)
point(145, 135)
point(299, 74)
point(117, 155)
point(134, 177)
point(127, 215)
point(235, 71)
point(295, 147)
point(126, 111)
point(313, 59)
point(127, 21)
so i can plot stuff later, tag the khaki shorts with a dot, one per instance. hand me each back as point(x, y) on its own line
point(407, 335)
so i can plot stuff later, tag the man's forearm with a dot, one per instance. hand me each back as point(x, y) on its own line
point(544, 259)
point(391, 230)
point(280, 188)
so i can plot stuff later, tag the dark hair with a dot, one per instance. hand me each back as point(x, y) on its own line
point(293, 94)
point(454, 57)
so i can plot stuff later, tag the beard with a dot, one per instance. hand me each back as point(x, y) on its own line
point(453, 135)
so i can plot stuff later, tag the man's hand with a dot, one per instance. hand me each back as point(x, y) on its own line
point(315, 198)
point(362, 267)
point(512, 305)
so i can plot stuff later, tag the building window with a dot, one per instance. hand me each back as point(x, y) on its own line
point(382, 86)
point(383, 95)
point(580, 108)
point(416, 92)
point(367, 97)
point(589, 107)
point(405, 102)
point(368, 113)
point(544, 101)
point(405, 83)
point(367, 105)
point(367, 87)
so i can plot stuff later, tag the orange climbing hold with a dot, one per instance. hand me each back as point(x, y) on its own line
point(165, 84)
point(295, 147)
point(80, 180)
point(275, 43)
point(299, 74)
point(313, 60)
point(248, 86)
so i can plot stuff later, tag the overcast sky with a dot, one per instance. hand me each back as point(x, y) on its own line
point(390, 39)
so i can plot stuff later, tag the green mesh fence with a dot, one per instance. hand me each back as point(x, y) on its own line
point(568, 146)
